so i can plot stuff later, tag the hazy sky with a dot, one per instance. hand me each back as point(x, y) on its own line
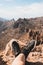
point(21, 8)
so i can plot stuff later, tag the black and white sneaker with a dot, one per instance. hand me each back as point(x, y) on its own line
point(27, 49)
point(16, 48)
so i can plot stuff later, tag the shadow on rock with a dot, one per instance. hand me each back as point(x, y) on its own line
point(32, 63)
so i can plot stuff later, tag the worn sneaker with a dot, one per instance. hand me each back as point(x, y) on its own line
point(16, 48)
point(27, 49)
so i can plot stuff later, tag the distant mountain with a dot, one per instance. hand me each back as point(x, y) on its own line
point(5, 24)
point(21, 23)
point(3, 20)
point(31, 23)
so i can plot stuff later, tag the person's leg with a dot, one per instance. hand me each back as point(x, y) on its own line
point(19, 60)
point(21, 57)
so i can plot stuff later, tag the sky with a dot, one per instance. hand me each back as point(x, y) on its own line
point(21, 8)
